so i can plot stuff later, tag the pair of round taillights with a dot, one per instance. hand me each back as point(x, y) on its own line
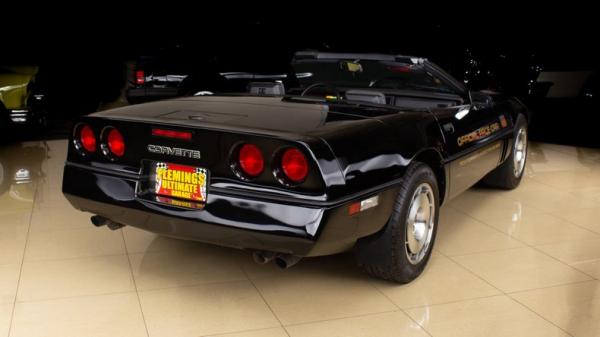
point(112, 144)
point(291, 164)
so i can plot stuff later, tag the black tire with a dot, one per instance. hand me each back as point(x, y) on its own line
point(504, 176)
point(385, 254)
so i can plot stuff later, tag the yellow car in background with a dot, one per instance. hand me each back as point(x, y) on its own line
point(19, 104)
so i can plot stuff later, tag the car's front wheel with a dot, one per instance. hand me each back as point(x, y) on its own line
point(401, 250)
point(508, 175)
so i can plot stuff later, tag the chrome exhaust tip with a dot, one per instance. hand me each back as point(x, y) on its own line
point(285, 261)
point(100, 221)
point(261, 257)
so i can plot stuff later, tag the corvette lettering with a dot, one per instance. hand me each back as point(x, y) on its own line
point(174, 151)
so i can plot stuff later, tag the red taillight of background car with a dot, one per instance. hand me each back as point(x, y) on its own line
point(115, 142)
point(251, 161)
point(400, 69)
point(140, 77)
point(87, 138)
point(185, 135)
point(294, 165)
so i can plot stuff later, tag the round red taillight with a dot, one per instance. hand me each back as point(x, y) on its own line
point(115, 142)
point(294, 165)
point(251, 160)
point(87, 138)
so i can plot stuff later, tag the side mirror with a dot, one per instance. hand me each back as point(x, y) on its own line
point(480, 100)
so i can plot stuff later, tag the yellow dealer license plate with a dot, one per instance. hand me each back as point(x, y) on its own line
point(180, 181)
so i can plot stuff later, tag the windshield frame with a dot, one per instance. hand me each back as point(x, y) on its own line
point(451, 83)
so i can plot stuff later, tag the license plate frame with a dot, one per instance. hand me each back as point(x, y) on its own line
point(173, 184)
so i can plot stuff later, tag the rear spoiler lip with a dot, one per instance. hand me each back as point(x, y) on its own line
point(315, 146)
point(291, 136)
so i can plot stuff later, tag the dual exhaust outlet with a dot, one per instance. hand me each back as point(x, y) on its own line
point(100, 221)
point(283, 261)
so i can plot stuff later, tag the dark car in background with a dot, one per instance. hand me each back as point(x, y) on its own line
point(78, 86)
point(562, 99)
point(154, 77)
point(499, 69)
point(186, 71)
point(560, 94)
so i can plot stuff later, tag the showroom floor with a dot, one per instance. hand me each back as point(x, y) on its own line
point(518, 263)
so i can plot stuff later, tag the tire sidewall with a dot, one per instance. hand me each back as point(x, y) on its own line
point(398, 221)
point(503, 176)
point(519, 124)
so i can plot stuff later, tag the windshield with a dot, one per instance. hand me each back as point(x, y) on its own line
point(369, 74)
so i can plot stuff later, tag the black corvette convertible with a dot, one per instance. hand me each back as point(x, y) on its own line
point(358, 152)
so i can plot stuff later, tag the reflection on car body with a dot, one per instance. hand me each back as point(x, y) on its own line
point(359, 154)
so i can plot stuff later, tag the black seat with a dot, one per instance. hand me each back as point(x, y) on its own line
point(365, 96)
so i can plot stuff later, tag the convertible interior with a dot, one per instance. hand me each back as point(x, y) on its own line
point(409, 99)
point(403, 82)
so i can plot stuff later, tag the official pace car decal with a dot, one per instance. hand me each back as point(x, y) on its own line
point(483, 131)
point(180, 181)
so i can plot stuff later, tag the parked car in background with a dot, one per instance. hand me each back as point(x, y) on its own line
point(185, 71)
point(78, 86)
point(20, 105)
point(154, 77)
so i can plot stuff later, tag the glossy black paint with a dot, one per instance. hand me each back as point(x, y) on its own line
point(355, 151)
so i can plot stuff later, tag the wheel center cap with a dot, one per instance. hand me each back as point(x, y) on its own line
point(419, 231)
point(419, 223)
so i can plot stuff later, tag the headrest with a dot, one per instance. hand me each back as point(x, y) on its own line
point(365, 96)
point(266, 88)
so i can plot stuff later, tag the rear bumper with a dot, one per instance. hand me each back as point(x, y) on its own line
point(295, 228)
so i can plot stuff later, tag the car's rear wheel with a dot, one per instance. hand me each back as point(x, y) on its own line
point(401, 250)
point(509, 174)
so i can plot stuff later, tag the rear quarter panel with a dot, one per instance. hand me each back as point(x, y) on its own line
point(376, 151)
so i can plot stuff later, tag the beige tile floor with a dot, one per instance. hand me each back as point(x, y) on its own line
point(507, 263)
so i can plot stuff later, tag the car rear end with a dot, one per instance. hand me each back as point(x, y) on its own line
point(233, 188)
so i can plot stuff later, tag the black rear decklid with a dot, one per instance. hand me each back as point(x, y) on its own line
point(210, 148)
